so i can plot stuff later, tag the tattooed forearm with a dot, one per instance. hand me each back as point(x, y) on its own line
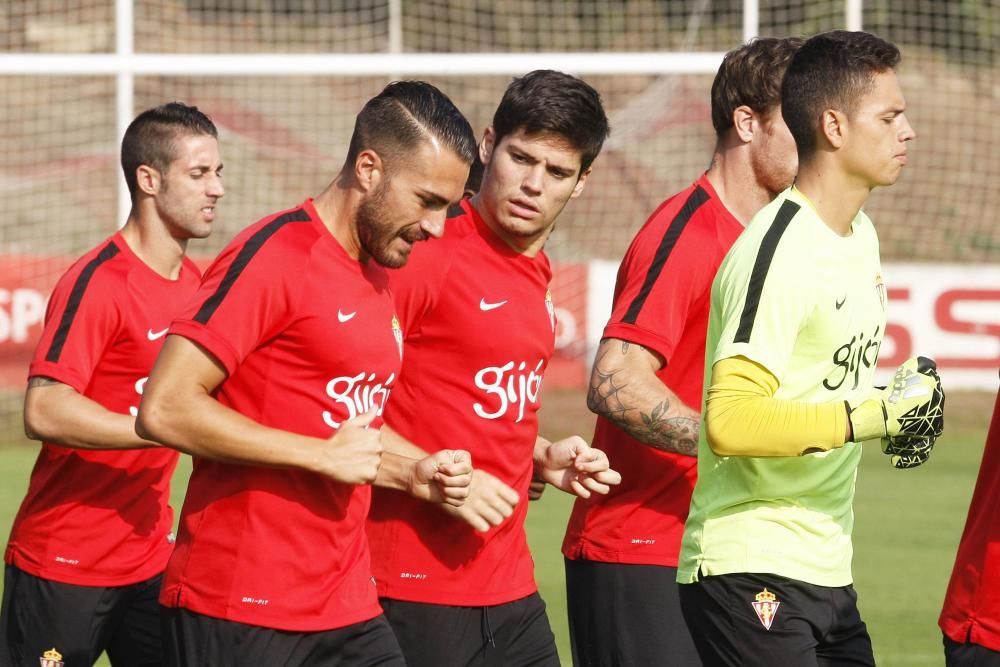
point(611, 396)
point(672, 434)
point(40, 381)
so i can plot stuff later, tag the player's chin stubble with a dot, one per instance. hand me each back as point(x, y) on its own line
point(375, 232)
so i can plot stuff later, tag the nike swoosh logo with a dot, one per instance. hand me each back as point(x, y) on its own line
point(490, 306)
point(841, 302)
point(153, 335)
point(343, 318)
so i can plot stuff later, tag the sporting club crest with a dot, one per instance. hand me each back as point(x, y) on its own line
point(880, 290)
point(551, 309)
point(766, 605)
point(397, 333)
point(51, 658)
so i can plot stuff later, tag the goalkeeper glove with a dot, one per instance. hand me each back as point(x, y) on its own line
point(912, 405)
point(908, 451)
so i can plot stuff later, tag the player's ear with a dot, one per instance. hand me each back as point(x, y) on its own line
point(744, 122)
point(833, 125)
point(147, 179)
point(487, 144)
point(580, 182)
point(369, 169)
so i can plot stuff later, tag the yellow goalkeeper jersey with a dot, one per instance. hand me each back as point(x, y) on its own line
point(808, 305)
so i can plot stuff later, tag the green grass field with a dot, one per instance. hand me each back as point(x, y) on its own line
point(907, 528)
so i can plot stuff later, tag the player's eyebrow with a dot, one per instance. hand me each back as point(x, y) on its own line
point(204, 167)
point(553, 167)
point(432, 198)
point(561, 170)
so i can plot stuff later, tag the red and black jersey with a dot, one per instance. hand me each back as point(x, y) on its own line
point(308, 338)
point(661, 302)
point(101, 517)
point(479, 328)
point(971, 610)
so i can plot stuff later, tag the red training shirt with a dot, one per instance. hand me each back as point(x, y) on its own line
point(971, 610)
point(661, 302)
point(101, 517)
point(480, 329)
point(308, 338)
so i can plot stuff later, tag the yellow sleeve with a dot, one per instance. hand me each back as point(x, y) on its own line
point(742, 417)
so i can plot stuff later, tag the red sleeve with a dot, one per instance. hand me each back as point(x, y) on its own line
point(652, 303)
point(82, 319)
point(415, 286)
point(246, 297)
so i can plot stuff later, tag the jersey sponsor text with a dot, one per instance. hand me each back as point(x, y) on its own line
point(358, 393)
point(508, 387)
point(859, 352)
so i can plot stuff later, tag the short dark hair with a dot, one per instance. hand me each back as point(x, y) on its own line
point(149, 139)
point(750, 75)
point(832, 70)
point(548, 102)
point(398, 119)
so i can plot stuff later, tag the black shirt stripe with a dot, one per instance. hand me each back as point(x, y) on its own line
point(246, 253)
point(75, 296)
point(760, 267)
point(667, 243)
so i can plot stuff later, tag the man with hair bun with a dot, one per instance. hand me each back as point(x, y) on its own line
point(275, 378)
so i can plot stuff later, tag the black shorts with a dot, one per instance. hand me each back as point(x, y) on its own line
point(748, 620)
point(969, 655)
point(515, 634)
point(621, 614)
point(79, 622)
point(196, 640)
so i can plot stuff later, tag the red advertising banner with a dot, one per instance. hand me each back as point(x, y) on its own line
point(26, 281)
point(949, 312)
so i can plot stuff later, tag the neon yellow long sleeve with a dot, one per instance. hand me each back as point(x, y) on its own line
point(742, 417)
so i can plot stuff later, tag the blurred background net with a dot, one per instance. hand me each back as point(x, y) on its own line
point(283, 137)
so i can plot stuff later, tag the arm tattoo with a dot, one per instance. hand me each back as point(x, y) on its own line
point(40, 381)
point(670, 434)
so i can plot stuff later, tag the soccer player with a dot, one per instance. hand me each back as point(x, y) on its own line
point(480, 325)
point(92, 537)
point(275, 379)
point(796, 319)
point(970, 619)
point(621, 549)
